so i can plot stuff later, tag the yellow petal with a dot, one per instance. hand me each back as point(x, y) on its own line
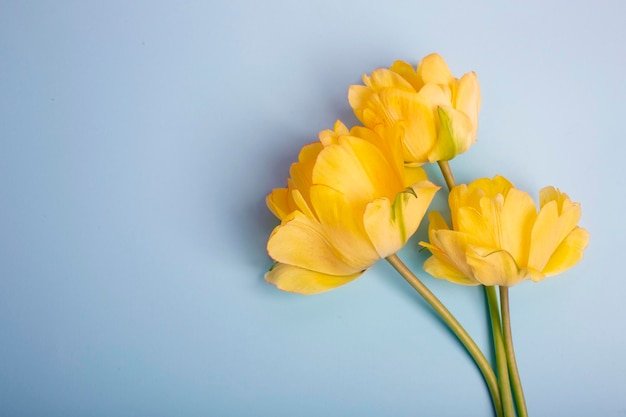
point(433, 69)
point(491, 210)
point(441, 267)
point(472, 195)
point(548, 194)
point(328, 137)
point(413, 174)
point(388, 140)
point(471, 221)
point(569, 212)
point(383, 78)
point(408, 73)
point(366, 105)
point(303, 281)
point(278, 203)
point(357, 169)
point(417, 120)
point(517, 220)
point(455, 246)
point(556, 219)
point(455, 135)
point(436, 222)
point(301, 172)
point(389, 226)
point(436, 95)
point(491, 187)
point(342, 224)
point(569, 252)
point(468, 98)
point(301, 204)
point(495, 268)
point(456, 199)
point(340, 128)
point(299, 241)
point(544, 237)
point(535, 275)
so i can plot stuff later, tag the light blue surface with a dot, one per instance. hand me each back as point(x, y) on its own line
point(139, 139)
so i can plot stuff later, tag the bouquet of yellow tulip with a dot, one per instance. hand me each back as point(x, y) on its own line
point(357, 195)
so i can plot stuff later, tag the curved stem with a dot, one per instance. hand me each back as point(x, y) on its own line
point(516, 381)
point(455, 326)
point(501, 356)
point(447, 174)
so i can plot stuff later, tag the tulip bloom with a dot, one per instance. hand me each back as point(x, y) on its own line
point(437, 112)
point(350, 201)
point(499, 238)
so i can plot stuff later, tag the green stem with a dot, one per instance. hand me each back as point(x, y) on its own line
point(516, 381)
point(501, 357)
point(455, 326)
point(447, 174)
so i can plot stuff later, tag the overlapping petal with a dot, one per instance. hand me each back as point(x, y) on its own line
point(499, 238)
point(350, 202)
point(438, 112)
point(389, 224)
point(304, 281)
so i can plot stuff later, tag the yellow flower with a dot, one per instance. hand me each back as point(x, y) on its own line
point(499, 238)
point(437, 112)
point(349, 202)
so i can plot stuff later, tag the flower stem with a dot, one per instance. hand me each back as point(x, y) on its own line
point(455, 326)
point(501, 356)
point(516, 381)
point(447, 174)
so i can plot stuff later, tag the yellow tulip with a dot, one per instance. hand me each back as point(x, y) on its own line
point(499, 238)
point(437, 112)
point(350, 201)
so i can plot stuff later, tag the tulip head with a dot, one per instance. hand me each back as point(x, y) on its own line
point(349, 202)
point(437, 113)
point(499, 238)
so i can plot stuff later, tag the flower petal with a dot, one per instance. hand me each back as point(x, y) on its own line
point(557, 218)
point(278, 202)
point(413, 174)
point(455, 245)
point(436, 222)
point(342, 225)
point(433, 69)
point(389, 226)
point(517, 219)
point(468, 98)
point(358, 169)
point(416, 117)
point(301, 172)
point(471, 221)
point(301, 203)
point(330, 136)
point(384, 78)
point(299, 241)
point(304, 281)
point(569, 212)
point(569, 252)
point(440, 266)
point(366, 105)
point(436, 95)
point(491, 187)
point(408, 73)
point(455, 135)
point(495, 268)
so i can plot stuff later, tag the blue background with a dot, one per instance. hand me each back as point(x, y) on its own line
point(138, 141)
